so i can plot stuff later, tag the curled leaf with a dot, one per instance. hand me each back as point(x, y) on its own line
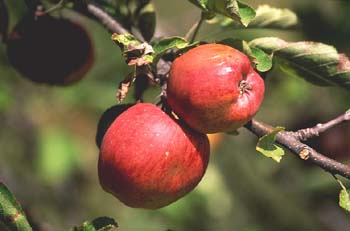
point(134, 52)
point(124, 86)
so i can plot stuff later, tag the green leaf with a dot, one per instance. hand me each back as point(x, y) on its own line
point(134, 52)
point(344, 200)
point(125, 40)
point(98, 224)
point(261, 60)
point(16, 11)
point(233, 9)
point(266, 145)
point(317, 63)
point(11, 212)
point(146, 21)
point(270, 17)
point(344, 197)
point(162, 46)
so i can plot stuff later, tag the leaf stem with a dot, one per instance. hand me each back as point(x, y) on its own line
point(195, 29)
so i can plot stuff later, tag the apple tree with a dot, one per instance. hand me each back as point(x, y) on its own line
point(153, 147)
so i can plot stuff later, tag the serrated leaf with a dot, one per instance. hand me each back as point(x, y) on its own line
point(162, 46)
point(261, 60)
point(233, 9)
point(270, 17)
point(266, 145)
point(146, 21)
point(98, 224)
point(317, 63)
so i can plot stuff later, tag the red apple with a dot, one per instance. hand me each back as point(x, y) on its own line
point(214, 88)
point(50, 50)
point(149, 160)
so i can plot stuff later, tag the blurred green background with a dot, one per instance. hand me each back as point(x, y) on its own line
point(48, 156)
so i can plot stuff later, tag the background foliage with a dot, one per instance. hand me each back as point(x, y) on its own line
point(48, 156)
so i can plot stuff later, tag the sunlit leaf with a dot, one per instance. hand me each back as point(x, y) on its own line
point(344, 200)
point(233, 9)
point(270, 17)
point(266, 145)
point(98, 224)
point(317, 63)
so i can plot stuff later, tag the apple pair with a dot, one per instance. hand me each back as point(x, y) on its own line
point(149, 159)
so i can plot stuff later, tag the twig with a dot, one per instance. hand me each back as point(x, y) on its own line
point(194, 29)
point(106, 20)
point(307, 133)
point(290, 140)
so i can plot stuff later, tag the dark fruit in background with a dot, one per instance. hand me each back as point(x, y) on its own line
point(149, 160)
point(50, 50)
point(214, 88)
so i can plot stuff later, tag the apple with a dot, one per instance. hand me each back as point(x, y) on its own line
point(55, 51)
point(149, 159)
point(214, 88)
point(107, 119)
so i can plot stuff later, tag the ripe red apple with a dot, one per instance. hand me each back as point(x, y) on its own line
point(107, 119)
point(214, 88)
point(149, 160)
point(50, 50)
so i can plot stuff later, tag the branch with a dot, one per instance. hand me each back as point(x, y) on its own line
point(291, 141)
point(108, 21)
point(288, 139)
point(307, 133)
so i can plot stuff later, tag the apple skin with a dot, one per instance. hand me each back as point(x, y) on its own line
point(214, 88)
point(149, 160)
point(107, 119)
point(54, 51)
